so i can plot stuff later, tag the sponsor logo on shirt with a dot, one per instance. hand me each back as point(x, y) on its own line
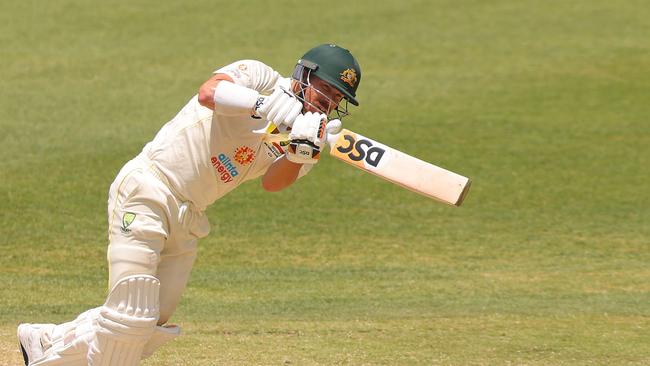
point(244, 69)
point(233, 72)
point(225, 168)
point(272, 151)
point(244, 155)
point(274, 148)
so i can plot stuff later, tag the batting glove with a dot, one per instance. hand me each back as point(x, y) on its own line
point(308, 136)
point(281, 107)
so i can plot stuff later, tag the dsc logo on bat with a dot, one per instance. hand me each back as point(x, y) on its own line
point(360, 149)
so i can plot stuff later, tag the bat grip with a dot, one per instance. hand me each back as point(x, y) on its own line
point(306, 142)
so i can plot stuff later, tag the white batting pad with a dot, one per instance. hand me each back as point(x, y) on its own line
point(126, 322)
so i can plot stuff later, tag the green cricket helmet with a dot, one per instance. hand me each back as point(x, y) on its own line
point(333, 64)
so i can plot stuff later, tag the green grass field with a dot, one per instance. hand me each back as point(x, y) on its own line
point(543, 103)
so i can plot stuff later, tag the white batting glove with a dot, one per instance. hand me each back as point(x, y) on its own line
point(311, 127)
point(281, 107)
point(308, 136)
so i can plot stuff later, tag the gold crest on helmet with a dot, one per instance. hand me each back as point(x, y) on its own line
point(349, 77)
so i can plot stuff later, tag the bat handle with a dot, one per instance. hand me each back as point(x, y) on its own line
point(305, 142)
point(332, 138)
point(305, 150)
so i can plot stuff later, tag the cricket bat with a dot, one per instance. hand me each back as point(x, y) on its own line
point(399, 168)
point(387, 163)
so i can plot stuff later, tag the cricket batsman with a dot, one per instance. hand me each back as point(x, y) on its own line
point(225, 135)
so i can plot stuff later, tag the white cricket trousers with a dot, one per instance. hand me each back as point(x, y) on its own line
point(152, 231)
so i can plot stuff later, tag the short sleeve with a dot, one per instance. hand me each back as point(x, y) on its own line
point(252, 74)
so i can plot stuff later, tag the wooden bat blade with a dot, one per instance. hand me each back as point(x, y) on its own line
point(399, 168)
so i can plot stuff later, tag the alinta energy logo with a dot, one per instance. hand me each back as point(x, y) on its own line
point(225, 168)
point(244, 155)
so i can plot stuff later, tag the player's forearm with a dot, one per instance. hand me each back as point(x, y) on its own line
point(223, 96)
point(280, 175)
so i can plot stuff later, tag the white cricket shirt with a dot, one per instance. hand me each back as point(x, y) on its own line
point(205, 155)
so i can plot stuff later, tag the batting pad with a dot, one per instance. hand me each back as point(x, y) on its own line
point(126, 322)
